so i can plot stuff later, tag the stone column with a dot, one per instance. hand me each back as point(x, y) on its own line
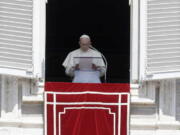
point(10, 97)
point(167, 100)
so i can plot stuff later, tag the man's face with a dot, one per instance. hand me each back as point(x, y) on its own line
point(84, 43)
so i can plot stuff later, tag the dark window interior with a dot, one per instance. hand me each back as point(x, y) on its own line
point(107, 22)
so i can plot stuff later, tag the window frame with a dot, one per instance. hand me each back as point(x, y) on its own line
point(39, 34)
point(134, 41)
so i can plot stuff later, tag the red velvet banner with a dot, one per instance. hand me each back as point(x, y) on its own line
point(86, 109)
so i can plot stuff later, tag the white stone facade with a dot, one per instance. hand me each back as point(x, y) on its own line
point(154, 108)
point(21, 107)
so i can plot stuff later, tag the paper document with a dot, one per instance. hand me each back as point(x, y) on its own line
point(85, 63)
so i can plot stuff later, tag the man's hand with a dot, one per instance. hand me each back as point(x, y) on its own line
point(94, 67)
point(76, 67)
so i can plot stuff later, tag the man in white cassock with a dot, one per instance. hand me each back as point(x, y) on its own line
point(74, 68)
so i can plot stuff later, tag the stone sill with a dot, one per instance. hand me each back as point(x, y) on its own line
point(141, 101)
point(23, 122)
point(149, 124)
point(135, 100)
point(35, 99)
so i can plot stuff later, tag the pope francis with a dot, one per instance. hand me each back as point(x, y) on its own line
point(86, 57)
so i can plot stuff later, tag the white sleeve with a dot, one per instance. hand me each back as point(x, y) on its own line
point(68, 65)
point(100, 63)
point(102, 71)
point(69, 71)
point(67, 60)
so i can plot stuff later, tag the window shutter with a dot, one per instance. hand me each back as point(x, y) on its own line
point(160, 46)
point(16, 38)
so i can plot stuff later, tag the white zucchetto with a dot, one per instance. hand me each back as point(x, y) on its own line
point(84, 36)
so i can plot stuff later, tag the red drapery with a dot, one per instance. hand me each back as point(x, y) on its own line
point(86, 109)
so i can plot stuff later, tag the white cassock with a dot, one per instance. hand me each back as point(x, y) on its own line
point(80, 76)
